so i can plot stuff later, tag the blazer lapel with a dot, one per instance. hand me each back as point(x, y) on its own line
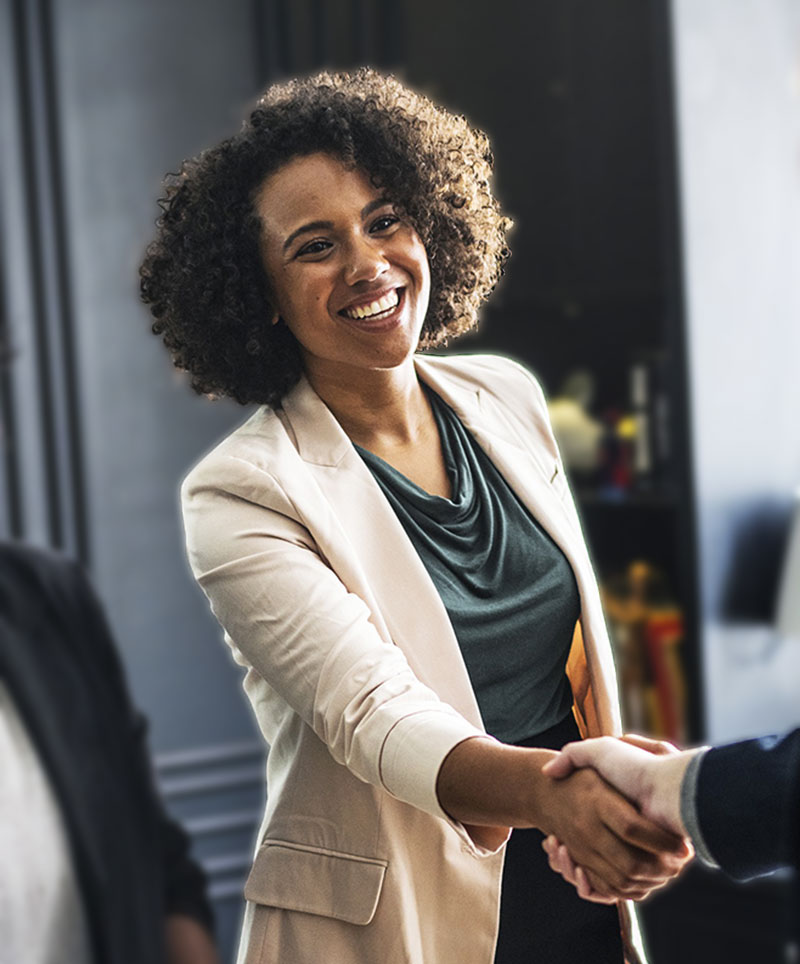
point(369, 549)
point(531, 477)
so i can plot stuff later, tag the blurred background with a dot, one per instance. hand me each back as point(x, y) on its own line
point(649, 152)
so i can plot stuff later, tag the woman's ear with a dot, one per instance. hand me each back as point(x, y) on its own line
point(275, 318)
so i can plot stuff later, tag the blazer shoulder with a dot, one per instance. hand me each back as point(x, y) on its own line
point(257, 465)
point(256, 448)
point(496, 374)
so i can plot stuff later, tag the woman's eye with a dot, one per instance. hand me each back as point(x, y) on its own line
point(314, 247)
point(384, 222)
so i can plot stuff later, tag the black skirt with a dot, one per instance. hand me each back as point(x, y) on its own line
point(542, 919)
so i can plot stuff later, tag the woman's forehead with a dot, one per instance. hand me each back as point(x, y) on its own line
point(308, 186)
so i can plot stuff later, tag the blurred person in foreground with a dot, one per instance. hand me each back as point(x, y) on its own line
point(739, 803)
point(92, 869)
point(391, 546)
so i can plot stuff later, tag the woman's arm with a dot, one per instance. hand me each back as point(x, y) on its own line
point(313, 639)
point(483, 783)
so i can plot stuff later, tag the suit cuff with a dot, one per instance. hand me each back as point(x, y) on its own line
point(689, 814)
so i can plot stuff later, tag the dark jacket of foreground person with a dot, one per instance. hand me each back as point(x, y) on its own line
point(59, 662)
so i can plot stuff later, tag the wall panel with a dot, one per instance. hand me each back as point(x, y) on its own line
point(98, 100)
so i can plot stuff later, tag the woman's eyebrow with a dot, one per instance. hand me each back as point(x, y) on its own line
point(311, 226)
point(379, 202)
point(328, 225)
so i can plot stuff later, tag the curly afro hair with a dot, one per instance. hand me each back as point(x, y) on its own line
point(203, 275)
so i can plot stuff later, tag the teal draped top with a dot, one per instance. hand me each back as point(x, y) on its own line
point(508, 589)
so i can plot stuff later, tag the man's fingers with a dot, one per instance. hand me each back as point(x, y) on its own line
point(581, 753)
point(551, 844)
point(560, 766)
point(625, 821)
point(599, 889)
point(560, 862)
point(585, 890)
point(657, 747)
point(566, 865)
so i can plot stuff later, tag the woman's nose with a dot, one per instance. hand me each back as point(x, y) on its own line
point(364, 261)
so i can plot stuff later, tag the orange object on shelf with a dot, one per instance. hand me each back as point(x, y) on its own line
point(647, 630)
point(664, 633)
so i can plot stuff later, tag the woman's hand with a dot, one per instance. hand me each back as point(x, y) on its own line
point(620, 853)
point(624, 855)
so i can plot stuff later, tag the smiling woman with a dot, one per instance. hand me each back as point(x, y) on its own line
point(391, 547)
point(203, 275)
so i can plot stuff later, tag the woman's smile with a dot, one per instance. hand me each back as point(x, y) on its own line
point(379, 312)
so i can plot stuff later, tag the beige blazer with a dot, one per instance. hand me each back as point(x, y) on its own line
point(357, 680)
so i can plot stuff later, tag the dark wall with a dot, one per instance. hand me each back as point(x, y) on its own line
point(566, 91)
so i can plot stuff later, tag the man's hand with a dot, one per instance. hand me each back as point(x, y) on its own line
point(647, 772)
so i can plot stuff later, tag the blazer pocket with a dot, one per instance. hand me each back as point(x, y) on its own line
point(316, 881)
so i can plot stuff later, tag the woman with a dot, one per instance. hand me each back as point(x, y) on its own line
point(390, 545)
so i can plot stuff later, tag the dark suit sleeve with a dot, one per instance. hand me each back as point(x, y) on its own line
point(748, 804)
point(185, 883)
point(184, 880)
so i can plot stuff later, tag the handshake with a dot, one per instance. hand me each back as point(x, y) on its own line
point(650, 773)
point(737, 803)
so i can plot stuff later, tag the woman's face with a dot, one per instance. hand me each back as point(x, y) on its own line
point(350, 278)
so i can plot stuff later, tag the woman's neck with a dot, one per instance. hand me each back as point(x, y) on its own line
point(377, 408)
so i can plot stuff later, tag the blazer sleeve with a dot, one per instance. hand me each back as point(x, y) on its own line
point(299, 627)
point(748, 804)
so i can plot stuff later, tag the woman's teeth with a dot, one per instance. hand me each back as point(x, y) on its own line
point(387, 303)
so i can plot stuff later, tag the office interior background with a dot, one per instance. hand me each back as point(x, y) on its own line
point(649, 152)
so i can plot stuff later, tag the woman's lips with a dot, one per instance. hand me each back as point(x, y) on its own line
point(382, 319)
point(379, 305)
